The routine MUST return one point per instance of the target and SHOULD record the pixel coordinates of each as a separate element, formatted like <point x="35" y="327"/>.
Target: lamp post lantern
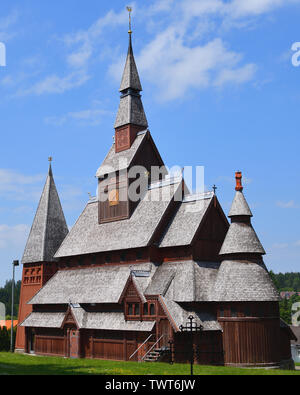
<point x="15" y="263"/>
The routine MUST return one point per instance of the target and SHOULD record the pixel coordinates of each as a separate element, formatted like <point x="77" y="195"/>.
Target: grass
<point x="17" y="364"/>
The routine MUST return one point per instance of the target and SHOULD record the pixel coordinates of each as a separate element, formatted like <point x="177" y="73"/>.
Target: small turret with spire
<point x="131" y="117"/>
<point x="49" y="227"/>
<point x="241" y="237"/>
<point x="242" y="275"/>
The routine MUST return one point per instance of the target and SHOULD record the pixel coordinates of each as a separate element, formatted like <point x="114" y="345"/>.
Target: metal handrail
<point x="140" y="346"/>
<point x="151" y="348"/>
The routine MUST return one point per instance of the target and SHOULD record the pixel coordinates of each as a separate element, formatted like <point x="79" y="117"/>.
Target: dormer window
<point x="133" y="309"/>
<point x="130" y="309"/>
<point x="152" y="309"/>
<point x="149" y="309"/>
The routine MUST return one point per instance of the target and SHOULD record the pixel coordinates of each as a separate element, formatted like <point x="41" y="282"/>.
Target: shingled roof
<point x="113" y="320"/>
<point x="131" y="108"/>
<point x="241" y="237"/>
<point x="178" y="315"/>
<point x="117" y="161"/>
<point x="88" y="236"/>
<point x="186" y="220"/>
<point x="239" y="206"/>
<point x="243" y="281"/>
<point x="184" y="281"/>
<point x="49" y="227"/>
<point x="130" y="78"/>
<point x="103" y="284"/>
<point x="247" y="278"/>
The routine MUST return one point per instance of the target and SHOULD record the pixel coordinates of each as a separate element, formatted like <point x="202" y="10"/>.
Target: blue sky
<point x="219" y="90"/>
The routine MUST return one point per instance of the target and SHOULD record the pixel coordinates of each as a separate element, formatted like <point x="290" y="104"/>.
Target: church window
<point x="130" y="309"/>
<point x="108" y="259"/>
<point x="145" y="308"/>
<point x="152" y="309"/>
<point x="221" y="312"/>
<point x="137" y="309"/>
<point x="123" y="257"/>
<point x="233" y="312"/>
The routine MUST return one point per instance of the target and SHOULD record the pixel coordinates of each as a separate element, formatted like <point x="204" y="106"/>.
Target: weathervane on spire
<point x="129" y="9"/>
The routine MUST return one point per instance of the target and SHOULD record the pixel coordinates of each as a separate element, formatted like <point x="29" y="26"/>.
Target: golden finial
<point x="129" y="9"/>
<point x="50" y="159"/>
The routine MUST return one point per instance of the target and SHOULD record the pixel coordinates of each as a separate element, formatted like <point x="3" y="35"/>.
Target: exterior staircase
<point x="156" y="354"/>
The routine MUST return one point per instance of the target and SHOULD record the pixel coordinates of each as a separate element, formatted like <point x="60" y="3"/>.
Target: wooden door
<point x="164" y="329"/>
<point x="74" y="343"/>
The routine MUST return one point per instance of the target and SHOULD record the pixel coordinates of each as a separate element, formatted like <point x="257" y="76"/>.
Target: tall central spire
<point x="131" y="117"/>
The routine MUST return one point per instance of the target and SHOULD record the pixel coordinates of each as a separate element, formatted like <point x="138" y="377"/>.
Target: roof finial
<point x="238" y="178"/>
<point x="129" y="9"/>
<point x="50" y="159"/>
<point x="214" y="188"/>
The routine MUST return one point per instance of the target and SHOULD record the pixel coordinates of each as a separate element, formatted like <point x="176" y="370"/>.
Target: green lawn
<point x="31" y="365"/>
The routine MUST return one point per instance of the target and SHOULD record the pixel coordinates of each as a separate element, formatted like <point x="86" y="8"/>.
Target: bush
<point x="5" y="339"/>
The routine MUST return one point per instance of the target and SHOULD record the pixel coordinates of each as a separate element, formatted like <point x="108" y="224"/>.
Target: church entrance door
<point x="74" y="343"/>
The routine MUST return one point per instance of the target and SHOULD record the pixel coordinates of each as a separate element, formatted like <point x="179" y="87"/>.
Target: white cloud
<point x="92" y="117"/>
<point x="238" y="75"/>
<point x="176" y="68"/>
<point x="280" y="245"/>
<point x="85" y="40"/>
<point x="13" y="236"/>
<point x="56" y="84"/>
<point x="245" y="8"/>
<point x="18" y="187"/>
<point x="7" y="30"/>
<point x="290" y="204"/>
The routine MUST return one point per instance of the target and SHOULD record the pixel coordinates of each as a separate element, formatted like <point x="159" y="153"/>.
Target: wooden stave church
<point x="129" y="274"/>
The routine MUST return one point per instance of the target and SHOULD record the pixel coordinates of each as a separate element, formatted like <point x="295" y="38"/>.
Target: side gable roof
<point x="117" y="161"/>
<point x="136" y="285"/>
<point x="103" y="284"/>
<point x="179" y="316"/>
<point x="184" y="281"/>
<point x="186" y="221"/>
<point x="107" y="320"/>
<point x="88" y="236"/>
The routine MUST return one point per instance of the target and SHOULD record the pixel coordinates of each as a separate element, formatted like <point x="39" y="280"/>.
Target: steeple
<point x="241" y="237"/>
<point x="49" y="227"/>
<point x="131" y="117"/>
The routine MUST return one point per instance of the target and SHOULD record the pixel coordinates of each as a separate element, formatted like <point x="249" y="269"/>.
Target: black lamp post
<point x="15" y="263"/>
<point x="191" y="327"/>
